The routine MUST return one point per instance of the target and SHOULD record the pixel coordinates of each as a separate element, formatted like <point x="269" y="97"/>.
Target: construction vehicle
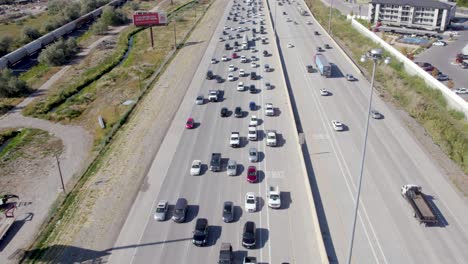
<point x="8" y="204"/>
<point x="423" y="211"/>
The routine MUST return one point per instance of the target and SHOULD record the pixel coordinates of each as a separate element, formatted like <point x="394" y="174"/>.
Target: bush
<point x="99" y="28"/>
<point x="89" y="5"/>
<point x="113" y="17"/>
<point x="30" y="34"/>
<point x="59" y="52"/>
<point x="5" y="44"/>
<point x="10" y="85"/>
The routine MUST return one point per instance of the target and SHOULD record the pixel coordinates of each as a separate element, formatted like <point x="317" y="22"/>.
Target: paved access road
<point x="286" y="234"/>
<point x="386" y="230"/>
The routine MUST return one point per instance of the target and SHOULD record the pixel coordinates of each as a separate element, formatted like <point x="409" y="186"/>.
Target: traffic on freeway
<point x="332" y="109"/>
<point x="228" y="184"/>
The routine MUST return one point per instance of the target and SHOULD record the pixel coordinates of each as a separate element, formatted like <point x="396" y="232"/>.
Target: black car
<point x="227" y="47"/>
<point x="253" y="76"/>
<point x="252" y="89"/>
<point x="200" y="234"/>
<point x="265" y="53"/>
<point x="180" y="210"/>
<point x="218" y="79"/>
<point x="238" y="35"/>
<point x="316" y="33"/>
<point x="309" y="68"/>
<point x="319" y="49"/>
<point x="209" y="75"/>
<point x="327" y="46"/>
<point x="284" y="13"/>
<point x="238" y="112"/>
<point x="224" y="112"/>
<point x="248" y="237"/>
<point x="236" y="43"/>
<point x="228" y="212"/>
<point x="254" y="30"/>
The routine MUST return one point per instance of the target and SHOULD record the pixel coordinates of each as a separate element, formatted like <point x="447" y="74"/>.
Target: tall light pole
<point x="276" y="3"/>
<point x="375" y="55"/>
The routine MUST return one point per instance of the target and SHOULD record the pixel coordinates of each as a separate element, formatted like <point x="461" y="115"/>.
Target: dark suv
<point x="248" y="237"/>
<point x="253" y="76"/>
<point x="238" y="112"/>
<point x="200" y="234"/>
<point x="228" y="212"/>
<point x="209" y="75"/>
<point x="180" y="210"/>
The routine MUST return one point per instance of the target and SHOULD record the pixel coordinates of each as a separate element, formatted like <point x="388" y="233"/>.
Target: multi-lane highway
<point x="386" y="230"/>
<point x="283" y="235"/>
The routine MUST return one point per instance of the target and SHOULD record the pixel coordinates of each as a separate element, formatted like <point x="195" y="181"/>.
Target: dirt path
<point x="109" y="193"/>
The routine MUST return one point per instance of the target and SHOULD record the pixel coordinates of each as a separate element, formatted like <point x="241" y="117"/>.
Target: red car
<point x="252" y="174"/>
<point x="190" y="123"/>
<point x="234" y="56"/>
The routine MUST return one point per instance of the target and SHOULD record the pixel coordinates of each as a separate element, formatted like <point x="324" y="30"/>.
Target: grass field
<point x="15" y="29"/>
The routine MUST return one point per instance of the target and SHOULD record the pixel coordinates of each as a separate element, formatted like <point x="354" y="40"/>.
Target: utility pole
<point x="329" y="17"/>
<point x="175" y="34"/>
<point x="60" y="173"/>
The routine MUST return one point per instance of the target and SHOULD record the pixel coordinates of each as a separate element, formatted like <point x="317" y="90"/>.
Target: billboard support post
<point x="151" y="34"/>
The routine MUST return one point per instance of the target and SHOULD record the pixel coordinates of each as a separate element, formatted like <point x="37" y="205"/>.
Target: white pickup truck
<point x="274" y="197"/>
<point x="213" y="95"/>
<point x="234" y="141"/>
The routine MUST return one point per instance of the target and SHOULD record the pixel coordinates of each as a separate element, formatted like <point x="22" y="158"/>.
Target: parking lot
<point x="443" y="57"/>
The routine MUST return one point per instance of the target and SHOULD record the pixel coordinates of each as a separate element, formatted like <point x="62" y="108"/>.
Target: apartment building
<point x="416" y="14"/>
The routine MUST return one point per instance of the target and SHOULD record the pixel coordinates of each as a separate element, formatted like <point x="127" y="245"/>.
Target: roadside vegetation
<point x="129" y="80"/>
<point x="448" y="128"/>
<point x="59" y="12"/>
<point x="108" y="86"/>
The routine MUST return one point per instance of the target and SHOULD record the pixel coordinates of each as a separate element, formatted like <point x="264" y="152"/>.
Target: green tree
<point x="30" y="34"/>
<point x="10" y="85"/>
<point x="5" y="44"/>
<point x="113" y="17"/>
<point x="59" y="53"/>
<point x="99" y="28"/>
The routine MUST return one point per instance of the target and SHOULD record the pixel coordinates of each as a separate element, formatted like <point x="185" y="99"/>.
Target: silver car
<point x="161" y="210"/>
<point x="195" y="169"/>
<point x="232" y="168"/>
<point x="253" y="155"/>
<point x="376" y="114"/>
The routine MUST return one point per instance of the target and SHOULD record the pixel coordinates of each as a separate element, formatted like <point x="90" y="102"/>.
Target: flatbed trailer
<point x="423" y="211"/>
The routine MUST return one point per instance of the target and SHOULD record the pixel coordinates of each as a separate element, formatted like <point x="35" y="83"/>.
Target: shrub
<point x="5" y="44"/>
<point x="10" y="85"/>
<point x="59" y="52"/>
<point x="99" y="28"/>
<point x="30" y="34"/>
<point x="113" y="17"/>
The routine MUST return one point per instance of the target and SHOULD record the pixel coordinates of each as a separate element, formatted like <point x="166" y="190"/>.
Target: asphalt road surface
<point x="386" y="230"/>
<point x="283" y="235"/>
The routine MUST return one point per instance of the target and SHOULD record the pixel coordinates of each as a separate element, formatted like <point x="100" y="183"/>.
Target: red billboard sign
<point x="146" y="19"/>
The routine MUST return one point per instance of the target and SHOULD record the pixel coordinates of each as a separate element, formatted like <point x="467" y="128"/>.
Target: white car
<point x="337" y="125"/>
<point x="252" y="135"/>
<point x="288" y="19"/>
<point x="240" y="86"/>
<point x="250" y="202"/>
<point x="161" y="210"/>
<point x="231" y="68"/>
<point x="271" y="138"/>
<point x="221" y="39"/>
<point x="242" y="73"/>
<point x="324" y="92"/>
<point x="214" y="61"/>
<point x="461" y="91"/>
<point x="195" y="168"/>
<point x="253" y="58"/>
<point x="231" y="77"/>
<point x="224" y="58"/>
<point x="269" y="110"/>
<point x="309" y="23"/>
<point x="253" y="65"/>
<point x="253" y="121"/>
<point x="290" y="45"/>
<point x="439" y="43"/>
<point x="243" y="59"/>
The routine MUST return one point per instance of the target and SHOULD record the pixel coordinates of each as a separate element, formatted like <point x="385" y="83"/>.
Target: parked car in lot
<point x="195" y="169"/>
<point x="209" y="75"/>
<point x="327" y="46"/>
<point x="253" y="76"/>
<point x="252" y="89"/>
<point x="268" y="86"/>
<point x="161" y="210"/>
<point x="240" y="86"/>
<point x="231" y="77"/>
<point x="224" y="58"/>
<point x="214" y="61"/>
<point x="439" y="43"/>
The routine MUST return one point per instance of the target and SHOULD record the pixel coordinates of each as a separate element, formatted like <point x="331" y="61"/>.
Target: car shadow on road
<point x="214" y="232"/>
<point x="240" y="169"/>
<point x="239" y="255"/>
<point x="285" y="200"/>
<point x="336" y="72"/>
<point x="260" y="203"/>
<point x="260" y="176"/>
<point x="280" y="141"/>
<point x="203" y="169"/>
<point x="238" y="212"/>
<point x="192" y="213"/>
<point x="262" y="235"/>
